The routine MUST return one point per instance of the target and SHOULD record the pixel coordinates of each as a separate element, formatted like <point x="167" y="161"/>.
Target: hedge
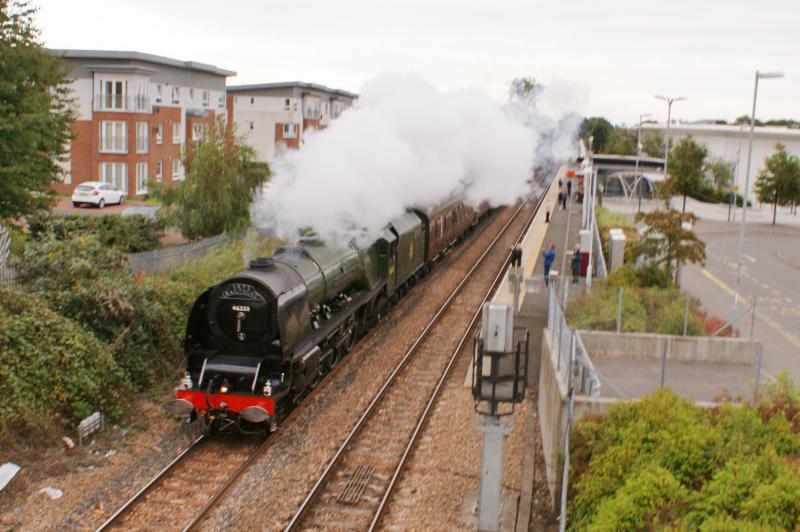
<point x="129" y="234"/>
<point x="664" y="463"/>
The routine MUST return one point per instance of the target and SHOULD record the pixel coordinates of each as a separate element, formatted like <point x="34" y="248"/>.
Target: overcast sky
<point x="610" y="56"/>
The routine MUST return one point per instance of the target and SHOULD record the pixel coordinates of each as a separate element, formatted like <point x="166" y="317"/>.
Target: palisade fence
<point x="164" y="260"/>
<point x="8" y="274"/>
<point x="599" y="258"/>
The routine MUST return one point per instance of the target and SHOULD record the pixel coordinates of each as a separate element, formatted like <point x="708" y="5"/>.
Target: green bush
<point x="609" y="220"/>
<point x="50" y="364"/>
<point x="663" y="462"/>
<point x="129" y="234"/>
<point x="598" y="311"/>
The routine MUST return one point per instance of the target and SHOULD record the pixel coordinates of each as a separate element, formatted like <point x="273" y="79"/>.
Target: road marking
<point x="750" y="258"/>
<point x="762" y="316"/>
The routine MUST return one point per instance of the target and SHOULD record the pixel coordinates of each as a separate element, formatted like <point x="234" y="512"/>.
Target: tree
<point x="779" y="182"/>
<point x="686" y="163"/>
<point x="666" y="239"/>
<point x="35" y="114"/>
<point x="653" y="144"/>
<point x="622" y="141"/>
<point x="720" y="173"/>
<point x="599" y="129"/>
<point x="221" y="178"/>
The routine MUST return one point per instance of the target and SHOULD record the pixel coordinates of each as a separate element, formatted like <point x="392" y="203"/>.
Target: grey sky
<point x="614" y="54"/>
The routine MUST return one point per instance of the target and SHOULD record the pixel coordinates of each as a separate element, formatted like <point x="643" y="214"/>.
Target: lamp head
<point x="769" y="75"/>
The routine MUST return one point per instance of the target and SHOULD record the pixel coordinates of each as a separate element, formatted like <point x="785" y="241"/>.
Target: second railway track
<point x="358" y="481"/>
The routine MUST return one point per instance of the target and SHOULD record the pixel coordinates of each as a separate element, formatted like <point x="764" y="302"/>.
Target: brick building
<point x="271" y="117"/>
<point x="134" y="114"/>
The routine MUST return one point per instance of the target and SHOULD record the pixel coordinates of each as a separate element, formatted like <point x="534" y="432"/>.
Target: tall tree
<point x="653" y="144"/>
<point x="779" y="182"/>
<point x="35" y="114"/>
<point x="686" y="163"/>
<point x="666" y="240"/>
<point x="599" y="129"/>
<point x="622" y="141"/>
<point x="221" y="178"/>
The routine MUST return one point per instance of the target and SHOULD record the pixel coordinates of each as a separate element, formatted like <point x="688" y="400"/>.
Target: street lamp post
<point x="759" y="75"/>
<point x="669" y="101"/>
<point x="637" y="179"/>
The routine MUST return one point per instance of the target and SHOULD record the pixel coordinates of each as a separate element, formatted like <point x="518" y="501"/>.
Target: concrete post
<point x="491" y="473"/>
<point x="562" y="525"/>
<point x="753" y="317"/>
<point x="664" y="361"/>
<point x="759" y="353"/>
<point x="619" y="311"/>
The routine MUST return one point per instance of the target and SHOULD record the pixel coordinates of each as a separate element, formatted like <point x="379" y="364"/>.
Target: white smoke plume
<point x="407" y="144"/>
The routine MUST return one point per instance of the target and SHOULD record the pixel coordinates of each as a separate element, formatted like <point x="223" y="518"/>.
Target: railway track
<point x="355" y="486"/>
<point x="182" y="493"/>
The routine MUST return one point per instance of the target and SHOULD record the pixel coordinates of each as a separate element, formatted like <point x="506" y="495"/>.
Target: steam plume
<point x="407" y="144"/>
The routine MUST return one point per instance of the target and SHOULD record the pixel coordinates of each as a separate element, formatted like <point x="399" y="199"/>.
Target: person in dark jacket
<point x="564" y="201"/>
<point x="549" y="258"/>
<point x="577" y="258"/>
<point x="560" y="199"/>
<point x="569" y="188"/>
<point x="516" y="256"/>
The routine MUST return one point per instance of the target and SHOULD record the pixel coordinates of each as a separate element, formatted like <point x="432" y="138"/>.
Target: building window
<point x="176" y="95"/>
<point x="191" y="95"/>
<point x="176" y="133"/>
<point x="142" y="137"/>
<point x="141" y="178"/>
<point x="113" y="137"/>
<point x="176" y="170"/>
<point x="206" y="98"/>
<point x="112" y="95"/>
<point x="252" y="125"/>
<point x="289" y="131"/>
<point x="198" y="133"/>
<point x="141" y="100"/>
<point x="159" y="92"/>
<point x="159" y="171"/>
<point x="286" y="104"/>
<point x="252" y="100"/>
<point x="221" y="101"/>
<point x="159" y="133"/>
<point x="115" y="174"/>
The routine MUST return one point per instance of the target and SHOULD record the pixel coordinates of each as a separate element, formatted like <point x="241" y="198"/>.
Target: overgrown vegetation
<point x="664" y="463"/>
<point x="128" y="234"/>
<point x="614" y="220"/>
<point x="86" y="331"/>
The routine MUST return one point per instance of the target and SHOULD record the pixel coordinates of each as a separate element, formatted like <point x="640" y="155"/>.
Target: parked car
<point x="97" y="193"/>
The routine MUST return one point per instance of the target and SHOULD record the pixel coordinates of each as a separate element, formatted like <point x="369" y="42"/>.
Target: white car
<point x="97" y="193"/>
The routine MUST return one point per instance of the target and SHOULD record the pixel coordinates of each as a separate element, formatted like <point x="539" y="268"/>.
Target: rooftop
<point x="289" y="85"/>
<point x="727" y="129"/>
<point x="143" y="57"/>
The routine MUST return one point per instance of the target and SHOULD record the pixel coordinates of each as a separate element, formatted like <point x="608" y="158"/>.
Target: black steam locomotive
<point x="257" y="342"/>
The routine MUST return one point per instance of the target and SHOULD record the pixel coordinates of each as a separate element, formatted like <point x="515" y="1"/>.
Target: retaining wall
<point x="646" y="346"/>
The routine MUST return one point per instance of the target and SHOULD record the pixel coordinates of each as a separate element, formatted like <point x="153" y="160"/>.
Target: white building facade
<point x="730" y="143"/>
<point x="273" y="117"/>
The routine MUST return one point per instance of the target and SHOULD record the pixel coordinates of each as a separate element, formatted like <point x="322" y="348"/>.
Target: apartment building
<point x="135" y="113"/>
<point x="272" y="117"/>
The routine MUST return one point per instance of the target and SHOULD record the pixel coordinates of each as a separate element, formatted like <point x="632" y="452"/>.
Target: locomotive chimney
<point x="263" y="263"/>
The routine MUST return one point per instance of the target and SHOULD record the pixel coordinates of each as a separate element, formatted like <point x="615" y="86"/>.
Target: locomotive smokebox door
<point x="500" y="367"/>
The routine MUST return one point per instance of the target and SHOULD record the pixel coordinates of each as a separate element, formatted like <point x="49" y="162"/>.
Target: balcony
<point x="121" y="103"/>
<point x="112" y="144"/>
<point x="312" y="114"/>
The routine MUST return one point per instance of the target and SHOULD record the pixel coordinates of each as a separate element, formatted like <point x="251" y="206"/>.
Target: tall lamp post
<point x="669" y="101"/>
<point x="637" y="180"/>
<point x="759" y="75"/>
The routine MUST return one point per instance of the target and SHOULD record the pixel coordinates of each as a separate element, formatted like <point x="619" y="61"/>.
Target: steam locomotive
<point x="258" y="342"/>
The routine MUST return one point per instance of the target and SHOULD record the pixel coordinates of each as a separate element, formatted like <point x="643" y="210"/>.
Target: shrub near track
<point x="129" y="234"/>
<point x="50" y="364"/>
<point x="664" y="463"/>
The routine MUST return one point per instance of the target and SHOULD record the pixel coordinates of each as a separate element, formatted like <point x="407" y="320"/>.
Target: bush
<point x="663" y="462"/>
<point x="87" y="281"/>
<point x="50" y="364"/>
<point x="609" y="220"/>
<point x="129" y="234"/>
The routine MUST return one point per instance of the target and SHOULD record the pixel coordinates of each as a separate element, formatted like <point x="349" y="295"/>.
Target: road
<point x="771" y="272"/>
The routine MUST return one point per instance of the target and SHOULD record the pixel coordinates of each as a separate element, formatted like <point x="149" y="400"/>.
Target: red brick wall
<point x="290" y="143"/>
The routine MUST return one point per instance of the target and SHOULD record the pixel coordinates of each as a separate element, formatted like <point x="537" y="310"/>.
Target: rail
<point x="324" y="477"/>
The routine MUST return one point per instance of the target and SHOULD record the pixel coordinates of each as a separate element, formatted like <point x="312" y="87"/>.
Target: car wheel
<point x="101" y="204"/>
<point x="122" y="199"/>
<point x="76" y="204"/>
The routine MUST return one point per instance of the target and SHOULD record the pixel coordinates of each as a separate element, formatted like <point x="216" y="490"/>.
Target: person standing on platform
<point x="560" y="199"/>
<point x="569" y="188"/>
<point x="577" y="259"/>
<point x="564" y="201"/>
<point x="516" y="256"/>
<point x="549" y="258"/>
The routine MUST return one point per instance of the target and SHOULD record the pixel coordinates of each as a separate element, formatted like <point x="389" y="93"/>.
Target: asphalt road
<point x="770" y="272"/>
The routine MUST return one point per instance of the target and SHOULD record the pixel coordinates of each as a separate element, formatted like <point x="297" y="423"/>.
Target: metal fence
<point x="597" y="246"/>
<point x="164" y="260"/>
<point x="572" y="359"/>
<point x="8" y="274"/>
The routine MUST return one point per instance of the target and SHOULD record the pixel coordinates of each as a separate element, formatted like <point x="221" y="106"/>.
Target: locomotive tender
<point x="256" y="343"/>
